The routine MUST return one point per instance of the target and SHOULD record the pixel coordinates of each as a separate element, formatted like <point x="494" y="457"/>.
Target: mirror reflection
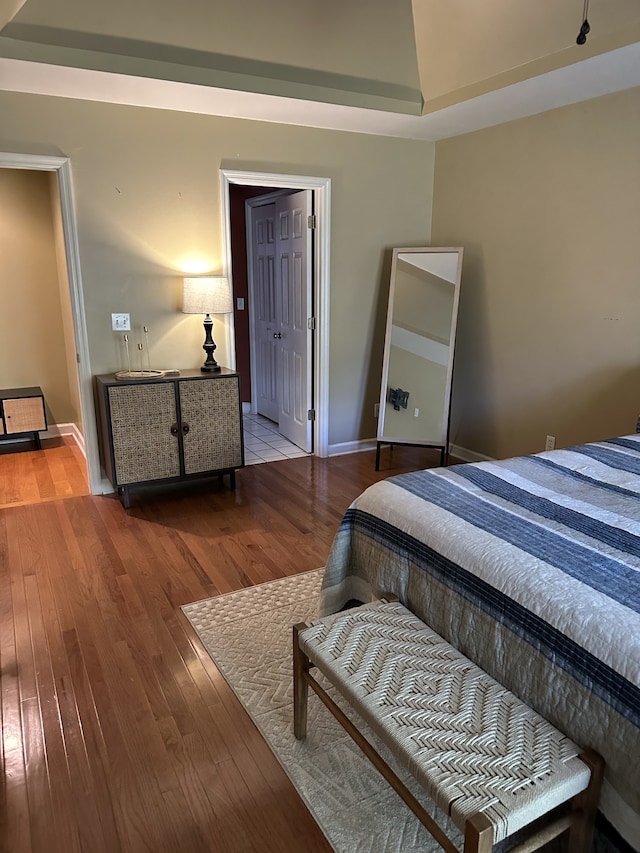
<point x="419" y="344"/>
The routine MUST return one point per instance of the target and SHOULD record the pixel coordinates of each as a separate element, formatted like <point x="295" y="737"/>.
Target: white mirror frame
<point x="442" y="440"/>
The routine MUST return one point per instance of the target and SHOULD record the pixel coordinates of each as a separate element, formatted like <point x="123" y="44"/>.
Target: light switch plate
<point x="121" y="322"/>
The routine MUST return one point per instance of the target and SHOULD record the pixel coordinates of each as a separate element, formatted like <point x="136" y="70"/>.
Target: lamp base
<point x="210" y="364"/>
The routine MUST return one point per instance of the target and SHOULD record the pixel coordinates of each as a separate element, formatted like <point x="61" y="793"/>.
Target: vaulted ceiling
<point x="418" y="68"/>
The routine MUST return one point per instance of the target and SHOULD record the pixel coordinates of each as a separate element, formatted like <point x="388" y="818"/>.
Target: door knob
<point x="277" y="335"/>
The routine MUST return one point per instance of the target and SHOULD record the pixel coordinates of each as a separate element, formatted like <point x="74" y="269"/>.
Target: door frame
<point x="321" y="188"/>
<point x="62" y="167"/>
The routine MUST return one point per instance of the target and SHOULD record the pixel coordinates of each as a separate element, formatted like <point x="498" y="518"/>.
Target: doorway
<point x="76" y="336"/>
<point x="319" y="268"/>
<point x="281" y="323"/>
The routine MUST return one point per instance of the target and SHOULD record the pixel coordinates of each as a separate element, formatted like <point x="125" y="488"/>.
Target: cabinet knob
<point x="175" y="429"/>
<point x="277" y="335"/>
<point x="185" y="428"/>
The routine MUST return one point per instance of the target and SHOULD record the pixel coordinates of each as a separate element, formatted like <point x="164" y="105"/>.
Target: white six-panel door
<point x="294" y="335"/>
<point x="266" y="311"/>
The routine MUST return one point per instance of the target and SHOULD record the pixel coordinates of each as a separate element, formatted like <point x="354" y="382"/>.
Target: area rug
<point x="248" y="636"/>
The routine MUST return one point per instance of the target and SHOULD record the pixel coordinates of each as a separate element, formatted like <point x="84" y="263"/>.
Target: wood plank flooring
<point x="58" y="470"/>
<point x="118" y="732"/>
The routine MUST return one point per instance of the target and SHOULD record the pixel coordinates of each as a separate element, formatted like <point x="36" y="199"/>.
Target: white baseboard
<point x="351" y="447"/>
<point x="104" y="487"/>
<point x="370" y="444"/>
<point x="56" y="430"/>
<point x="468" y="455"/>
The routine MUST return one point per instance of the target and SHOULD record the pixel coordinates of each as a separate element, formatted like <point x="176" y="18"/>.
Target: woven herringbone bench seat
<point x="483" y="756"/>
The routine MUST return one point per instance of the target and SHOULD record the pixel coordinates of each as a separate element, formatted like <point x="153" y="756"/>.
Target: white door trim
<point x="322" y="192"/>
<point x="62" y="166"/>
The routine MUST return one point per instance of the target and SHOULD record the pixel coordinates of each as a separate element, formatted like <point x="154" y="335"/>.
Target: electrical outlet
<point x="550" y="443"/>
<point x="376" y="410"/>
<point x="121" y="322"/>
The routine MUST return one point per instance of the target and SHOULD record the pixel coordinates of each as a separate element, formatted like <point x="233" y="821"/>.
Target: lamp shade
<point x="206" y="295"/>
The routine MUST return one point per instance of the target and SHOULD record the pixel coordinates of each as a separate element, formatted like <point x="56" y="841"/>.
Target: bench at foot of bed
<point x="485" y="758"/>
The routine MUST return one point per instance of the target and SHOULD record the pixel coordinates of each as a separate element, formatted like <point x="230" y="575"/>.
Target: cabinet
<point x="169" y="429"/>
<point x="22" y="412"/>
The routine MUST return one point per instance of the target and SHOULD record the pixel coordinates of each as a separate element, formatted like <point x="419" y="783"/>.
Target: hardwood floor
<point x="118" y="732"/>
<point x="57" y="471"/>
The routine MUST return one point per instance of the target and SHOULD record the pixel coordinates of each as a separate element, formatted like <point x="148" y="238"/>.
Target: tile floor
<point x="263" y="442"/>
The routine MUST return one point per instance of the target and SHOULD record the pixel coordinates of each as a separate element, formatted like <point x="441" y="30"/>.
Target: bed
<point x="531" y="567"/>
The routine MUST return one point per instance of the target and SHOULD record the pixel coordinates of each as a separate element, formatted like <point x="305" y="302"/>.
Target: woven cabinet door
<point x="141" y="419"/>
<point x="211" y="408"/>
<point x="24" y="414"/>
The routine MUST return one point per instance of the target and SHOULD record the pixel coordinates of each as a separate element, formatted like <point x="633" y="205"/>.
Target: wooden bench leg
<point x="585" y="805"/>
<point x="478" y="835"/>
<point x="301" y="665"/>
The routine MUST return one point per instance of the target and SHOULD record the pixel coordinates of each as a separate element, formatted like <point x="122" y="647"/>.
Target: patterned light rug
<point x="248" y="635"/>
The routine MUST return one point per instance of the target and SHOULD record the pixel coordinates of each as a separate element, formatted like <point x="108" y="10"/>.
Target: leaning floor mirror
<point x="417" y="367"/>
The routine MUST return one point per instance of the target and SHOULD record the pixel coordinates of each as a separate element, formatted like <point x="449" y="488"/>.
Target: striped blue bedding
<point x="531" y="567"/>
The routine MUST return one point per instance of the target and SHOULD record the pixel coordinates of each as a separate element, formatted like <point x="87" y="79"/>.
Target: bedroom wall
<point x="32" y="332"/>
<point x="466" y="49"/>
<point x="147" y="197"/>
<point x="548" y="211"/>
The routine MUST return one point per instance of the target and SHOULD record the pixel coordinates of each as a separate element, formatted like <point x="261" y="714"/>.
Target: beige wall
<point x="32" y="333"/>
<point x="147" y="197"/>
<point x="548" y="210"/>
<point x="332" y="36"/>
<point x="465" y="49"/>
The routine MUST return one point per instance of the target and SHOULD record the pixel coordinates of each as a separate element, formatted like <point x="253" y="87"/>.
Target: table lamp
<point x="207" y="295"/>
